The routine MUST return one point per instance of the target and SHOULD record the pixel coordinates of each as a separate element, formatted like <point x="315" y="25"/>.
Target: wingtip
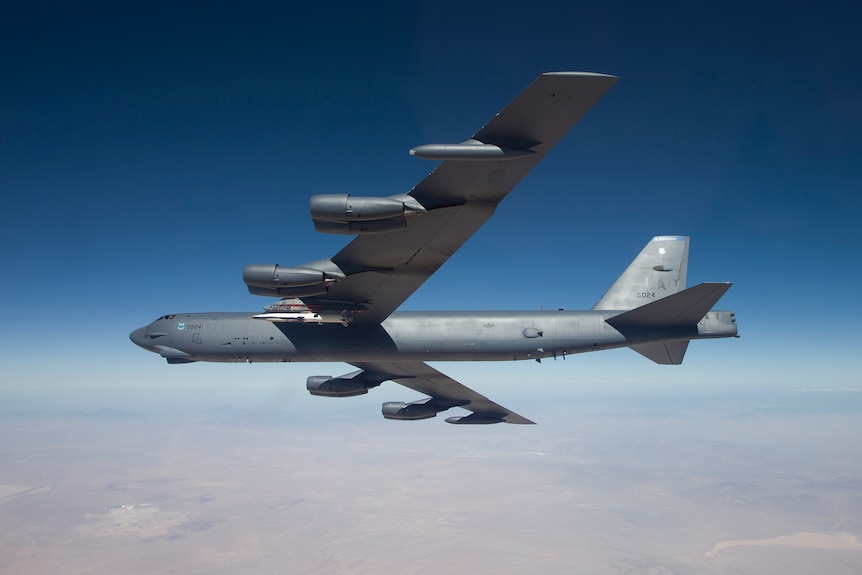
<point x="518" y="419"/>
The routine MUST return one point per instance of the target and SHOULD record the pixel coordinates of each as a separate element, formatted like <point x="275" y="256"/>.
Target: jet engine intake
<point x="346" y="214"/>
<point x="475" y="419"/>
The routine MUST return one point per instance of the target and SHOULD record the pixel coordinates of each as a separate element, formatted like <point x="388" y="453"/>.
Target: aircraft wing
<point x="382" y="270"/>
<point x="443" y="390"/>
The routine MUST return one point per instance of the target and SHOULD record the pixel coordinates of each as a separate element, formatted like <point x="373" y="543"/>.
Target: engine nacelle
<point x="355" y="383"/>
<point x="328" y="386"/>
<point x="300" y="281"/>
<point x="346" y="214"/>
<point x="409" y="411"/>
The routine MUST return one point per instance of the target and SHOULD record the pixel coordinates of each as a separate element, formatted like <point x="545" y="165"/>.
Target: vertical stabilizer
<point x="657" y="272"/>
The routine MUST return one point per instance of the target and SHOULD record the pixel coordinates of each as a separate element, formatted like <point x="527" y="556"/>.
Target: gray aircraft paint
<point x="343" y="309"/>
<point x="409" y="336"/>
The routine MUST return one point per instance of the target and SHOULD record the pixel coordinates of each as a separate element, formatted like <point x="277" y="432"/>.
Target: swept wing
<point x="444" y="391"/>
<point x="382" y="270"/>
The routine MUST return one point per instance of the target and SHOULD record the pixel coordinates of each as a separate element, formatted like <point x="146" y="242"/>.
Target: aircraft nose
<point x="139" y="337"/>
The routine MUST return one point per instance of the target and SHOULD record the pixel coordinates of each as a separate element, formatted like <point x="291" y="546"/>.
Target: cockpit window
<point x="171" y="316"/>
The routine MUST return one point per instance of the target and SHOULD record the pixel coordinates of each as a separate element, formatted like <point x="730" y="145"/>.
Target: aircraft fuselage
<point x="406" y="336"/>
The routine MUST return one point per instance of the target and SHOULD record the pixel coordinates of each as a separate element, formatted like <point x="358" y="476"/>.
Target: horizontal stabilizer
<point x="663" y="352"/>
<point x="687" y="307"/>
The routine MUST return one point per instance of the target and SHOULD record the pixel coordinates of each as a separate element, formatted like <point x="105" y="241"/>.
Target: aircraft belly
<point x="470" y="336"/>
<point x="435" y="337"/>
<point x="406" y="336"/>
<point x="447" y="336"/>
<point x="579" y="332"/>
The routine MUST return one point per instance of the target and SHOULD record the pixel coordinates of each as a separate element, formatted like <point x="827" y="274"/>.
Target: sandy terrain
<point x="616" y="487"/>
<point x="836" y="541"/>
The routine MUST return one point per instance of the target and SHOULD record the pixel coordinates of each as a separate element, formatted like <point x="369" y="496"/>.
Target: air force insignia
<point x="181" y="326"/>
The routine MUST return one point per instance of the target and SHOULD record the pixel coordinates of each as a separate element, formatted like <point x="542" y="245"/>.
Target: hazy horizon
<point x="737" y="482"/>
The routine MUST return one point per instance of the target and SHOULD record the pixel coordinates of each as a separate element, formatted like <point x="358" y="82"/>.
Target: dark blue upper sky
<point x="148" y="151"/>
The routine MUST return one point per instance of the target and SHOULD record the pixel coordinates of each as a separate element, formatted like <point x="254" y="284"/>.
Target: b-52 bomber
<point x="343" y="309"/>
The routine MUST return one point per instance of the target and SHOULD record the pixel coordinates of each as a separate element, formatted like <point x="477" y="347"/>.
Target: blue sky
<point x="149" y="151"/>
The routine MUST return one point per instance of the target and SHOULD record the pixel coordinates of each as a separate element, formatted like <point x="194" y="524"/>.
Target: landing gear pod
<point x="471" y="150"/>
<point x="475" y="419"/>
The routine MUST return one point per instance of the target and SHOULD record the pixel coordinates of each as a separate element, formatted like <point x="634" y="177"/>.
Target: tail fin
<point x="659" y="315"/>
<point x="657" y="272"/>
